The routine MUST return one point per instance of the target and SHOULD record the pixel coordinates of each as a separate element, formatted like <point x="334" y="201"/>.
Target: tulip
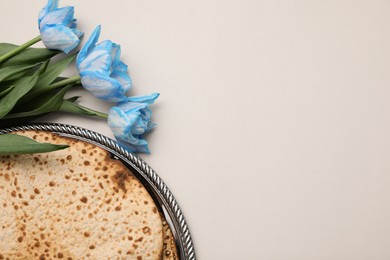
<point x="101" y="70"/>
<point x="129" y="120"/>
<point x="57" y="30"/>
<point x="57" y="27"/>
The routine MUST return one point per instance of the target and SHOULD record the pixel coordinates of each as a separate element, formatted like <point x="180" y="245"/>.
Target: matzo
<point x="76" y="203"/>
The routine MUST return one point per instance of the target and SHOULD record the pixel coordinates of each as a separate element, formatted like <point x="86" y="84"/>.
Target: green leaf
<point x="6" y="90"/>
<point x="27" y="56"/>
<point x="6" y="47"/>
<point x="10" y="80"/>
<point x="69" y="106"/>
<point x="46" y="104"/>
<point x="54" y="70"/>
<point x="19" y="48"/>
<point x="21" y="87"/>
<point x="17" y="144"/>
<point x="7" y="72"/>
<point x="4" y="123"/>
<point x="73" y="99"/>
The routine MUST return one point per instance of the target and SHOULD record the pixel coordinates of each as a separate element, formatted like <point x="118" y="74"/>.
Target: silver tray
<point x="156" y="187"/>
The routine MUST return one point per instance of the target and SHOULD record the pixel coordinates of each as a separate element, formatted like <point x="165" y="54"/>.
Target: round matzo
<point x="76" y="203"/>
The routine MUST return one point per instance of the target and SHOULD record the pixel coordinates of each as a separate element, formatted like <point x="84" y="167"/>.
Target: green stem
<point x="64" y="82"/>
<point x="101" y="115"/>
<point x="96" y="113"/>
<point x="19" y="49"/>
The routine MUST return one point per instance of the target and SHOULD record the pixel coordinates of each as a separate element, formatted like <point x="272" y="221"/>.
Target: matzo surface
<point x="76" y="203"/>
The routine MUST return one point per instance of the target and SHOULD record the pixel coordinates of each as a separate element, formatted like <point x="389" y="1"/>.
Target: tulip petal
<point x="123" y="78"/>
<point x="99" y="59"/>
<point x="102" y="61"/>
<point x="77" y="33"/>
<point x="102" y="86"/>
<point x="142" y="148"/>
<point x="130" y="120"/>
<point x="143" y="125"/>
<point x="131" y="107"/>
<point x="58" y="27"/>
<point x="62" y="16"/>
<point x="73" y="24"/>
<point x="139" y="127"/>
<point x="150" y="126"/>
<point x="118" y="122"/>
<point x="51" y="5"/>
<point x="147" y="112"/>
<point x="88" y="46"/>
<point x="121" y="123"/>
<point x="120" y="66"/>
<point x="144" y="99"/>
<point x="115" y="54"/>
<point x="59" y="37"/>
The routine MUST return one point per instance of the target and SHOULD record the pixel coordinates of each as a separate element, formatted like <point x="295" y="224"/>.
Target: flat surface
<point x="273" y="122"/>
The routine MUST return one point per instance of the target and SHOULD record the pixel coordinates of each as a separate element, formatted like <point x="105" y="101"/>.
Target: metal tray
<point x="153" y="183"/>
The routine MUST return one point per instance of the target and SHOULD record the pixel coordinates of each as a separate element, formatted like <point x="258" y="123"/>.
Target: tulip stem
<point x="19" y="49"/>
<point x="94" y="112"/>
<point x="100" y="114"/>
<point x="64" y="82"/>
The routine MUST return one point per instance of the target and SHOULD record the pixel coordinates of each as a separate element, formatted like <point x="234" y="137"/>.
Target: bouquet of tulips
<point x="31" y="84"/>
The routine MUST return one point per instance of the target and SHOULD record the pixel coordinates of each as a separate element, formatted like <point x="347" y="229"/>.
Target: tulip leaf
<point x="6" y="90"/>
<point x="11" y="144"/>
<point x="53" y="71"/>
<point x="46" y="104"/>
<point x="11" y="79"/>
<point x="4" y="123"/>
<point x="21" y="87"/>
<point x="6" y="47"/>
<point x="71" y="107"/>
<point x="73" y="99"/>
<point x="7" y="72"/>
<point x="27" y="56"/>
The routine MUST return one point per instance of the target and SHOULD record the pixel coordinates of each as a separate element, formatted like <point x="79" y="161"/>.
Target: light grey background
<point x="273" y="122"/>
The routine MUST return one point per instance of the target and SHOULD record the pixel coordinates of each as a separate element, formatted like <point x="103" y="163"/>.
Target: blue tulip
<point x="101" y="70"/>
<point x="130" y="119"/>
<point x="57" y="27"/>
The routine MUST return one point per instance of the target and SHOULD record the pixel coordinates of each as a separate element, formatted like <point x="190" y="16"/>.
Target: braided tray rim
<point x="183" y="236"/>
